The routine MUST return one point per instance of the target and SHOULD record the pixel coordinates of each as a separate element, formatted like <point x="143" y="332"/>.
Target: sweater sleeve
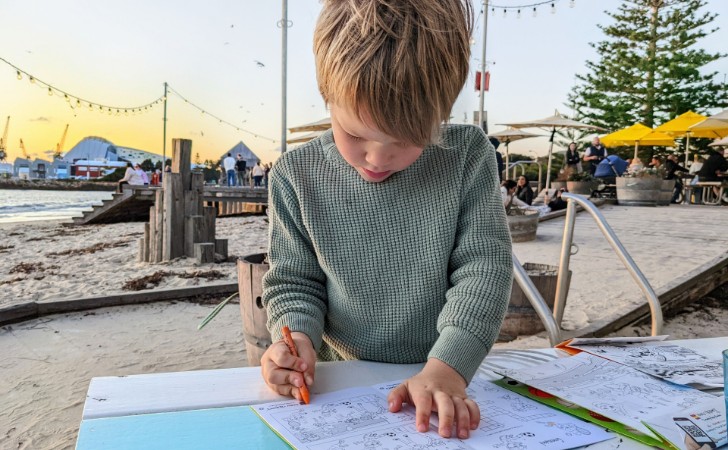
<point x="481" y="266"/>
<point x="294" y="288"/>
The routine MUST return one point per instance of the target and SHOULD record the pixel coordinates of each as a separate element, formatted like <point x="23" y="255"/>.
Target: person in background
<point x="714" y="168"/>
<point x="240" y="168"/>
<point x="655" y="163"/>
<point x="524" y="191"/>
<point x="572" y="159"/>
<point x="266" y="168"/>
<point x="142" y="174"/>
<point x="557" y="203"/>
<point x="228" y="165"/>
<point x="258" y="174"/>
<point x="156" y="177"/>
<point x="696" y="165"/>
<point x="131" y="177"/>
<point x="498" y="157"/>
<point x="672" y="167"/>
<point x="594" y="155"/>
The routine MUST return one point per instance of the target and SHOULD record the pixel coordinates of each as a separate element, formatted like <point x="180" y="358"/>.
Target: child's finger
<point x="423" y="407"/>
<point x="396" y="397"/>
<point x="282" y="357"/>
<point x="445" y="413"/>
<point x="474" y="413"/>
<point x="462" y="417"/>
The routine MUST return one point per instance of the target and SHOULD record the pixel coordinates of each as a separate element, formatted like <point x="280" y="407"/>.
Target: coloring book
<point x="359" y="418"/>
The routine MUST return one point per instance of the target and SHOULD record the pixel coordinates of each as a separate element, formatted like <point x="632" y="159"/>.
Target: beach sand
<point x="47" y="363"/>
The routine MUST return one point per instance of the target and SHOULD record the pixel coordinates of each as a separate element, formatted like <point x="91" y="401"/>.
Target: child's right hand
<point x="283" y="372"/>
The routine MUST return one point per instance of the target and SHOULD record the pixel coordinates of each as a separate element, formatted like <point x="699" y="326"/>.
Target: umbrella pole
<point x="548" y="166"/>
<point x="507" y="163"/>
<point x="687" y="148"/>
<point x="636" y="147"/>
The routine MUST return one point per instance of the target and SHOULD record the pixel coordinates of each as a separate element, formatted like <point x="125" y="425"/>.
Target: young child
<point x="388" y="237"/>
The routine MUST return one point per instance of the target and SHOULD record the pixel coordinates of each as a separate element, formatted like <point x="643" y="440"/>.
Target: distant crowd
<point x="235" y="172"/>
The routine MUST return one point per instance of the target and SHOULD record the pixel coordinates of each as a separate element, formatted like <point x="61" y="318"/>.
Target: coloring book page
<point x="613" y="390"/>
<point x="667" y="361"/>
<point x="359" y="418"/>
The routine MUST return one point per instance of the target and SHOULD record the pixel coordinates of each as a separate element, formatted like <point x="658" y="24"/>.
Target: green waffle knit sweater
<point x="416" y="266"/>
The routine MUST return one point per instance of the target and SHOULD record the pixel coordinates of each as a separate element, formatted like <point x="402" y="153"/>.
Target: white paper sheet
<point x="667" y="361"/>
<point x="613" y="390"/>
<point x="358" y="418"/>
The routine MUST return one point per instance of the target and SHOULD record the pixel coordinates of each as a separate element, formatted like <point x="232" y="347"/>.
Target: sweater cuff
<point x="460" y="350"/>
<point x="300" y="323"/>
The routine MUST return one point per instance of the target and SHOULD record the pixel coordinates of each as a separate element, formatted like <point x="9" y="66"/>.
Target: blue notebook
<point x="224" y="428"/>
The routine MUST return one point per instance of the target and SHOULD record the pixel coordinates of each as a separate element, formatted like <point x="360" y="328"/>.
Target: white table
<point x="113" y="397"/>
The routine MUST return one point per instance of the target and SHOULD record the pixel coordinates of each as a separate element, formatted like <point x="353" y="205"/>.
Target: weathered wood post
<point x="250" y="275"/>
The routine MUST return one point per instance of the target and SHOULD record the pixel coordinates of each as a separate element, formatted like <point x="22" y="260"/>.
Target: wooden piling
<point x="181" y="160"/>
<point x="210" y="215"/>
<point x="194" y="227"/>
<point x="140" y="253"/>
<point x="205" y="252"/>
<point x="158" y="235"/>
<point x="221" y="248"/>
<point x="145" y="243"/>
<point x="173" y="230"/>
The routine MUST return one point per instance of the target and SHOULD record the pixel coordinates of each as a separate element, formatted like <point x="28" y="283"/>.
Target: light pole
<point x="481" y="108"/>
<point x="284" y="69"/>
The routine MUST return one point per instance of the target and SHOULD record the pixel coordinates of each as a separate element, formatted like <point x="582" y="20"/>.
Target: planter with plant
<point x="522" y="223"/>
<point x="581" y="183"/>
<point x="644" y="187"/>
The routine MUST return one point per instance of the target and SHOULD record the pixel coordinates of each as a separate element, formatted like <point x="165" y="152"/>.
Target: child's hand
<point x="438" y="388"/>
<point x="283" y="372"/>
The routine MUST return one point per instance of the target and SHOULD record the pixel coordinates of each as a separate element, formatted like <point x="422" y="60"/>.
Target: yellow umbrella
<point x="637" y="135"/>
<point x="680" y="127"/>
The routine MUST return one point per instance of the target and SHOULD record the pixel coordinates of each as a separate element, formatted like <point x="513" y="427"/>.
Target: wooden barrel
<point x="523" y="227"/>
<point x="521" y="319"/>
<point x="251" y="269"/>
<point x="639" y="191"/>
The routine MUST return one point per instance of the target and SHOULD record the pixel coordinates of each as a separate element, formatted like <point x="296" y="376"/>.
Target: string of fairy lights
<point x="77" y="102"/>
<point x="533" y="7"/>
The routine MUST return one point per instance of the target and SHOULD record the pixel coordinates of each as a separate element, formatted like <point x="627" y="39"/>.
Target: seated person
<point x="558" y="203"/>
<point x="510" y="200"/>
<point x="524" y="191"/>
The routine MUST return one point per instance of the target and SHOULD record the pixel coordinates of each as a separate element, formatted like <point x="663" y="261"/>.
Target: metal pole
<point x="562" y="280"/>
<point x="687" y="148"/>
<point x="481" y="108"/>
<point x="284" y="65"/>
<point x="164" y="131"/>
<point x="652" y="300"/>
<point x="548" y="165"/>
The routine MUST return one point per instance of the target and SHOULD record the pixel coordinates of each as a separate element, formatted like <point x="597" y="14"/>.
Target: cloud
<point x="40" y="119"/>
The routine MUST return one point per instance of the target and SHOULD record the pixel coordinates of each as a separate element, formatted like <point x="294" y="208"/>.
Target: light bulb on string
<point x="109" y="112"/>
<point x="572" y="3"/>
<point x="78" y="103"/>
<point x="50" y="92"/>
<point x="492" y="12"/>
<point x="90" y="107"/>
<point x="20" y="77"/>
<point x="553" y="8"/>
<point x="505" y="12"/>
<point x="534" y="12"/>
<point x="518" y="15"/>
<point x="68" y="99"/>
<point x="126" y="113"/>
<point x="32" y="80"/>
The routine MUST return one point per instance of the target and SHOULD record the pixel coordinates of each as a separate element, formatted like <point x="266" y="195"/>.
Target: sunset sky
<point x="121" y="53"/>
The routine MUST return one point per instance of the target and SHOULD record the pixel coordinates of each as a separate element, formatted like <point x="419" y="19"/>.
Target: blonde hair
<point x="400" y="63"/>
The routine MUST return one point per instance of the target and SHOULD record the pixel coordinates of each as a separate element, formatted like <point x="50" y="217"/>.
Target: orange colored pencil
<point x="288" y="339"/>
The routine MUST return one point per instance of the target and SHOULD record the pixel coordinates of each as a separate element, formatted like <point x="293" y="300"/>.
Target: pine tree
<point x="650" y="68"/>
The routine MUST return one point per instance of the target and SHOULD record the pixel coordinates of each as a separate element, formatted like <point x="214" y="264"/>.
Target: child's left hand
<point x="438" y="388"/>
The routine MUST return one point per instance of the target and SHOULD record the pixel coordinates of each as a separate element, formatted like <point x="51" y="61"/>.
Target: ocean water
<point x="19" y="205"/>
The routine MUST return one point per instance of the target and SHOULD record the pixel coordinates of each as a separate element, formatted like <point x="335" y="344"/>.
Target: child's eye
<point x="353" y="138"/>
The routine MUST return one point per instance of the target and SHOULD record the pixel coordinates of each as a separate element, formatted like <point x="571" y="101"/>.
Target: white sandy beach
<point x="48" y="362"/>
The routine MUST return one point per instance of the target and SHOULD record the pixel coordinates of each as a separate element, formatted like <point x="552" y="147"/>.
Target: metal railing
<point x="611" y="237"/>
<point x="552" y="322"/>
<point x="522" y="165"/>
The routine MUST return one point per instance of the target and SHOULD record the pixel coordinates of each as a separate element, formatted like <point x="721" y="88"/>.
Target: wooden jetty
<point x="132" y="205"/>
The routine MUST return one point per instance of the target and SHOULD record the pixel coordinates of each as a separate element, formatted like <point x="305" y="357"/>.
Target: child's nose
<point x="378" y="157"/>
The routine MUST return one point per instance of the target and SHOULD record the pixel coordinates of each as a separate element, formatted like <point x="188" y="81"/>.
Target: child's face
<point x="375" y="155"/>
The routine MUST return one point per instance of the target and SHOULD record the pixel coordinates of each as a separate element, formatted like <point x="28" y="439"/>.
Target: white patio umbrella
<point x="509" y="135"/>
<point x="717" y="124"/>
<point x="304" y="137"/>
<point x="719" y="143"/>
<point x="320" y="125"/>
<point x="552" y="124"/>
